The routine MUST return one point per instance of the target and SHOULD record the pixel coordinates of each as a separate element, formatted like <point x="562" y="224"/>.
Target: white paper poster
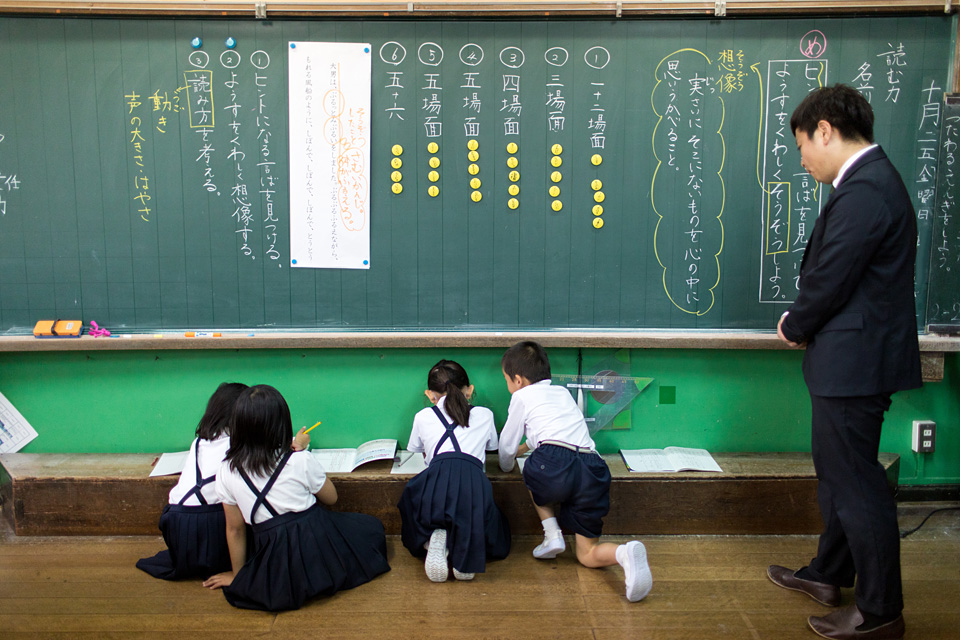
<point x="15" y="431"/>
<point x="329" y="101"/>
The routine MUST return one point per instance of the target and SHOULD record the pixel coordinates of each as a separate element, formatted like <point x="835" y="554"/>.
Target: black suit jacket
<point x="855" y="308"/>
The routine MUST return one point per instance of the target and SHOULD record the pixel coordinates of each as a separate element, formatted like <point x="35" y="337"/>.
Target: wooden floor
<point x="704" y="587"/>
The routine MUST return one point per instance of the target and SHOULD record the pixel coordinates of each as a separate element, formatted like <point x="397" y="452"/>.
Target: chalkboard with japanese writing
<point x="943" y="300"/>
<point x="163" y="174"/>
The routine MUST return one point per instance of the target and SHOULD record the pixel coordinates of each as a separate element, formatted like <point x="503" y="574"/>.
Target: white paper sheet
<point x="170" y="463"/>
<point x="15" y="431"/>
<point x="329" y="110"/>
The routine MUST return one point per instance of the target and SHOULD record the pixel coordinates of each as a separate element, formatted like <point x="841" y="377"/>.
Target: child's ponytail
<point x="450" y="378"/>
<point x="457" y="405"/>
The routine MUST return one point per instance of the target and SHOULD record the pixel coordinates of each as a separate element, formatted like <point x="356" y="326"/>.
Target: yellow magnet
<point x="433" y="176"/>
<point x="554" y="191"/>
<point x="512" y="147"/>
<point x="596" y="159"/>
<point x="396" y="176"/>
<point x="473" y="145"/>
<point x="556" y="176"/>
<point x="433" y="147"/>
<point x="513" y="189"/>
<point x="397" y="150"/>
<point x="512" y="162"/>
<point x="596" y="185"/>
<point x="556" y="161"/>
<point x="598" y="196"/>
<point x="597" y="210"/>
<point x="473" y="169"/>
<point x="514" y="175"/>
<point x="597" y="223"/>
<point x="475" y="183"/>
<point x="513" y="203"/>
<point x="556" y="149"/>
<point x="473" y="156"/>
<point x="556" y="205"/>
<point x="397" y="187"/>
<point x="434" y="162"/>
<point x="396" y="163"/>
<point x="433" y="191"/>
<point x="476" y="196"/>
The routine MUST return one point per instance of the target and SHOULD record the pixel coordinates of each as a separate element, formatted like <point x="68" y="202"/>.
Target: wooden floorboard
<point x="705" y="588"/>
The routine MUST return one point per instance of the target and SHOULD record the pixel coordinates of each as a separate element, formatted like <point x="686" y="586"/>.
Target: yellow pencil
<point x="313" y="427"/>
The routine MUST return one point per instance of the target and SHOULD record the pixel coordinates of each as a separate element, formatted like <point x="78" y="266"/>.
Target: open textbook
<point x="346" y="460"/>
<point x="670" y="459"/>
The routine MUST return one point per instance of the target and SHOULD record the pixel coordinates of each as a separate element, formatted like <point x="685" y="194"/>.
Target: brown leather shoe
<point x="842" y="625"/>
<point x="825" y="594"/>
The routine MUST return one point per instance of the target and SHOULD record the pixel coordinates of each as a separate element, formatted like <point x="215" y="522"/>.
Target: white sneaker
<point x="462" y="576"/>
<point x="550" y="547"/>
<point x="633" y="558"/>
<point x="436" y="563"/>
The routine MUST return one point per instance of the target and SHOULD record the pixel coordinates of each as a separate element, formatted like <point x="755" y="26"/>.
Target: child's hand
<point x="301" y="441"/>
<point x="522" y="449"/>
<point x="219" y="580"/>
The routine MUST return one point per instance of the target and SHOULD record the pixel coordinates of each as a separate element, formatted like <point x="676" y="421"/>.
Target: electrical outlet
<point x="924" y="435"/>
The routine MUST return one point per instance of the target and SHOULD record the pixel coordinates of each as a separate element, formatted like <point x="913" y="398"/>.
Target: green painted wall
<point x="150" y="401"/>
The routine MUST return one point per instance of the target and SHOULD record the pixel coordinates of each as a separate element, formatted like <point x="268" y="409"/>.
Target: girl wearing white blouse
<point x="299" y="549"/>
<point x="448" y="509"/>
<point x="192" y="523"/>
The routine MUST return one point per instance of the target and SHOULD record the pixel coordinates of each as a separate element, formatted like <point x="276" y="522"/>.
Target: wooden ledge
<point x="414" y="339"/>
<point x="111" y="494"/>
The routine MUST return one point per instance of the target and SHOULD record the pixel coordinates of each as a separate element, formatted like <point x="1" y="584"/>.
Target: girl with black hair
<point x="192" y="523"/>
<point x="298" y="549"/>
<point x="448" y="509"/>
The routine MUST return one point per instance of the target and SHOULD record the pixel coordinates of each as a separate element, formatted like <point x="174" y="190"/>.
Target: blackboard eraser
<point x="58" y="329"/>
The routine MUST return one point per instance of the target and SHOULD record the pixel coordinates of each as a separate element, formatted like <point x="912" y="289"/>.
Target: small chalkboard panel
<point x="943" y="300"/>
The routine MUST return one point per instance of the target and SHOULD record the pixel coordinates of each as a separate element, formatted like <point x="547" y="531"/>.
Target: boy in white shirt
<point x="568" y="480"/>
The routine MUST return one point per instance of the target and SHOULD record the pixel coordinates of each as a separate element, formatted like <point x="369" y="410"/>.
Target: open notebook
<point x="670" y="459"/>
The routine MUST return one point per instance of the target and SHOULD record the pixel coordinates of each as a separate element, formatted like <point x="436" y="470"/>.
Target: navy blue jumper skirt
<point x="196" y="537"/>
<point x="454" y="493"/>
<point x="303" y="554"/>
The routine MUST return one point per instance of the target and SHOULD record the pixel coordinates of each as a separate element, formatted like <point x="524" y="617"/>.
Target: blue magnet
<point x="293" y="45"/>
<point x="231" y="43"/>
<point x="196" y="43"/>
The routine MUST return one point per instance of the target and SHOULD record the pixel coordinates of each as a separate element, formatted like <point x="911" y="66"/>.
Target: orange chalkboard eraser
<point x="58" y="329"/>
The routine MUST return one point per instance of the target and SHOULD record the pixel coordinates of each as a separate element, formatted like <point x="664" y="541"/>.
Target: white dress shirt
<point x="542" y="411"/>
<point x="477" y="439"/>
<point x="212" y="453"/>
<point x="294" y="490"/>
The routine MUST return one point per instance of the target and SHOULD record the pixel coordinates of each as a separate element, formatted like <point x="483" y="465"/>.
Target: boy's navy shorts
<point x="577" y="484"/>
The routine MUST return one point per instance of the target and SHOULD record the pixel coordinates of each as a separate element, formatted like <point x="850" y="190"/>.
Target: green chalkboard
<point x="657" y="182"/>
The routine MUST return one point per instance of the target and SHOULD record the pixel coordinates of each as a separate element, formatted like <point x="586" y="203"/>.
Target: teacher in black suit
<point x="855" y="313"/>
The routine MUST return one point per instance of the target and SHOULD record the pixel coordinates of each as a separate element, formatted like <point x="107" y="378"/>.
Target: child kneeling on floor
<point x="448" y="508"/>
<point x="568" y="480"/>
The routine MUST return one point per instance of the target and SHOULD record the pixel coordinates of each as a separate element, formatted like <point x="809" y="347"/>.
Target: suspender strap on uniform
<point x="449" y="433"/>
<point x="262" y="495"/>
<point x="201" y="482"/>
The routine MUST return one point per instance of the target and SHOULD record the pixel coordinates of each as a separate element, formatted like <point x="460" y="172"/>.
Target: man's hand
<point x="780" y="331"/>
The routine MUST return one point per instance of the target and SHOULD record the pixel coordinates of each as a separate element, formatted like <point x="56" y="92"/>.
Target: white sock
<point x="551" y="528"/>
